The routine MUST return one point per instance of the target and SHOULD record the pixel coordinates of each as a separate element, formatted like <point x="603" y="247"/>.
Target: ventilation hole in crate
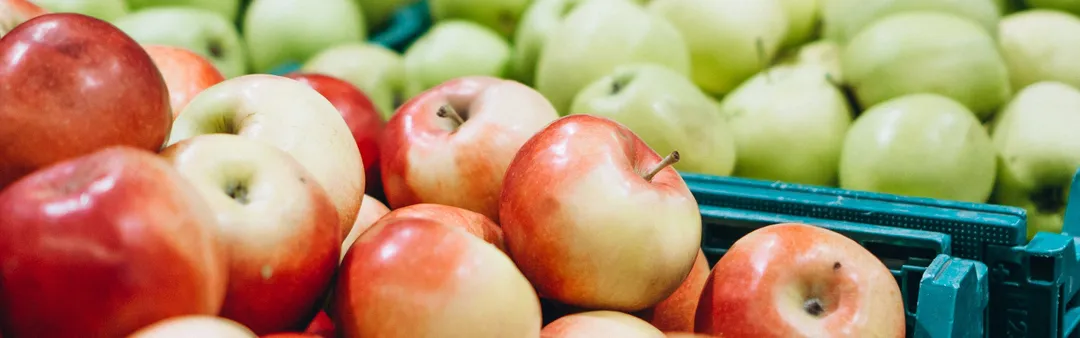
<point x="895" y="256"/>
<point x="721" y="235"/>
<point x="1041" y="268"/>
<point x="911" y="291"/>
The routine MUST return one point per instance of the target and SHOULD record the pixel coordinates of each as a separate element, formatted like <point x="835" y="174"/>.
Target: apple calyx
<point x="447" y="111"/>
<point x="620" y="81"/>
<point x="668" y="160"/>
<point x="238" y="191"/>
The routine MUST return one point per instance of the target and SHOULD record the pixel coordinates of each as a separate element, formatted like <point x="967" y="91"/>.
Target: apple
<point x="686" y="335"/>
<point x="378" y="72"/>
<point x="379" y="13"/>
<point x="82" y="85"/>
<point x="453" y="49"/>
<point x="279" y="226"/>
<point x="818" y="283"/>
<point x="596" y="37"/>
<point x="292" y="335"/>
<point x="205" y="33"/>
<point x="789" y="123"/>
<point x="364" y="121"/>
<point x="600" y="323"/>
<point x="415" y="277"/>
<point x="321" y="325"/>
<point x="186" y="73"/>
<point x="596" y="219"/>
<point x="226" y="8"/>
<point x="803" y="16"/>
<point x="1038" y="45"/>
<point x="729" y="40"/>
<point x="15" y="12"/>
<point x="1038" y="153"/>
<point x="1070" y="6"/>
<point x="452" y="144"/>
<point x="371" y="210"/>
<point x="194" y="326"/>
<point x="290" y="116"/>
<point x="288" y="31"/>
<point x="501" y="16"/>
<point x="536" y="23"/>
<point x="476" y="224"/>
<point x="924" y="145"/>
<point x="104" y="244"/>
<point x="107" y="10"/>
<point x="842" y="20"/>
<point x="823" y="53"/>
<point x="666" y="110"/>
<point x="676" y="312"/>
<point x="927" y="52"/>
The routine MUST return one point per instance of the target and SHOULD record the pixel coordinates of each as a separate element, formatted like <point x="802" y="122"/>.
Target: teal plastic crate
<point x="965" y="269"/>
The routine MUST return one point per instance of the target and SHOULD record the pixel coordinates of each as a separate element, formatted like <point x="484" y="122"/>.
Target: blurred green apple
<point x="379" y="12"/>
<point x="201" y="31"/>
<point x="823" y="53"/>
<point x="378" y="72"/>
<point x="789" y="123"/>
<point x="501" y="16"/>
<point x="279" y="32"/>
<point x="1071" y="6"/>
<point x="1039" y="151"/>
<point x="227" y="8"/>
<point x="596" y="37"/>
<point x="1041" y="45"/>
<point x="843" y="19"/>
<point x="667" y="111"/>
<point x="932" y="52"/>
<point x="803" y="18"/>
<point x="923" y="145"/>
<point x="107" y="10"/>
<point x="452" y="49"/>
<point x="729" y="40"/>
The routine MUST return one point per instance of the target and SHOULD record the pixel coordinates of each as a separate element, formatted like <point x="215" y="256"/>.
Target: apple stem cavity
<point x="237" y="191"/>
<point x="446" y="111"/>
<point x="668" y="160"/>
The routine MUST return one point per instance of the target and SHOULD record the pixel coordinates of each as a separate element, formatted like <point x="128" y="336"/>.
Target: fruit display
<point x="510" y="168"/>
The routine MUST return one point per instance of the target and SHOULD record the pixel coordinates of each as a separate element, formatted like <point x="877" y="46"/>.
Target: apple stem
<point x="668" y="160"/>
<point x="446" y="111"/>
<point x="829" y="78"/>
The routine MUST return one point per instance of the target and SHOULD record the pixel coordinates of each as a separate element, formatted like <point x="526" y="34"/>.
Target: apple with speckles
<point x="413" y="277"/>
<point x="452" y="144"/>
<point x="186" y="73"/>
<point x="634" y="243"/>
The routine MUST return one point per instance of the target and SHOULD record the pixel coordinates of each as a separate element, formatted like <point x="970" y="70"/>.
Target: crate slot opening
<point x="896" y="256"/>
<point x="1041" y="268"/>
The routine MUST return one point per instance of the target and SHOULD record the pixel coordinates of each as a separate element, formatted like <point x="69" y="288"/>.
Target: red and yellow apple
<point x="596" y="219"/>
<point x="186" y="73"/>
<point x="371" y="210"/>
<point x="676" y="313"/>
<point x="798" y="280"/>
<point x="602" y="323"/>
<point x="15" y="12"/>
<point x="104" y="244"/>
<point x="452" y="144"/>
<point x="278" y="224"/>
<point x="194" y="326"/>
<point x="473" y="222"/>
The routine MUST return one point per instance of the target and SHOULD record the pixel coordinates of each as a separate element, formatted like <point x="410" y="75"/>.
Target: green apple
<point x="452" y="49"/>
<point x="107" y="10"/>
<point x="1039" y="151"/>
<point x="499" y="15"/>
<point x="823" y="53"/>
<point x="729" y="40"/>
<point x="201" y="31"/>
<point x="923" y="145"/>
<point x="227" y="8"/>
<point x="1041" y="45"/>
<point x="596" y="37"/>
<point x="915" y="52"/>
<point x="280" y="32"/>
<point x="667" y="111"/>
<point x="843" y="19"/>
<point x="378" y="72"/>
<point x="1072" y="6"/>
<point x="803" y="18"/>
<point x="379" y="12"/>
<point x="789" y="123"/>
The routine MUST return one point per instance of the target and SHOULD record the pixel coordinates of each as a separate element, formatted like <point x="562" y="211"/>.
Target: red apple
<point x="451" y="145"/>
<point x="473" y="222"/>
<point x="74" y="84"/>
<point x="596" y="219"/>
<point x="364" y="120"/>
<point x="194" y="326"/>
<point x="322" y="326"/>
<point x="293" y="335"/>
<point x="797" y="280"/>
<point x="413" y="277"/>
<point x="686" y="335"/>
<point x="600" y="324"/>
<point x="104" y="244"/>
<point x="676" y="313"/>
<point x="15" y="12"/>
<point x="279" y="225"/>
<point x="371" y="210"/>
<point x="186" y="73"/>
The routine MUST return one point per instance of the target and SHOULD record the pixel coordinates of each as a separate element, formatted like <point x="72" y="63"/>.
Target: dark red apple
<point x="73" y="84"/>
<point x="105" y="244"/>
<point x="322" y="326"/>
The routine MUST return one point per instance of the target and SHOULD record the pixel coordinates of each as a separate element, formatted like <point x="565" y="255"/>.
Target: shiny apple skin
<point x="103" y="245"/>
<point x="371" y="210"/>
<point x="593" y="324"/>
<point x="473" y="222"/>
<point x="186" y="73"/>
<point x="194" y="326"/>
<point x="364" y="120"/>
<point x="425" y="160"/>
<point x="757" y="289"/>
<point x="676" y="313"/>
<point x="74" y="84"/>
